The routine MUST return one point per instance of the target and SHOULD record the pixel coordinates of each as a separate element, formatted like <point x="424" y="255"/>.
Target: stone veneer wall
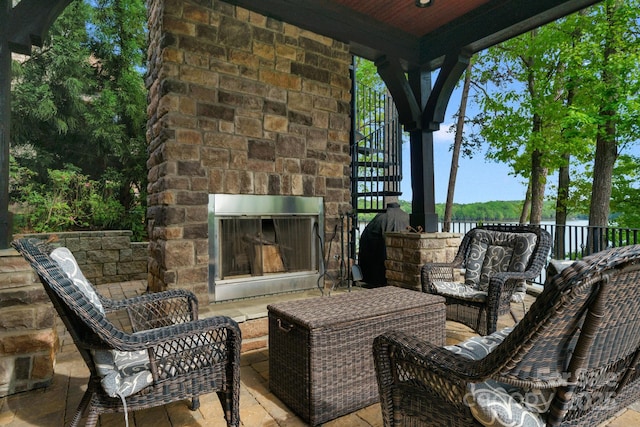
<point x="104" y="256"/>
<point x="28" y="336"/>
<point x="408" y="252"/>
<point x="239" y="103"/>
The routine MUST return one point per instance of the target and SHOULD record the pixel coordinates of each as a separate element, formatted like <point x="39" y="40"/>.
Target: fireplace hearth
<point x="262" y="244"/>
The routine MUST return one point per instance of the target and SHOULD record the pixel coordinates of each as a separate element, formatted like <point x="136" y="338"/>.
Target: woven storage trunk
<point x="320" y="349"/>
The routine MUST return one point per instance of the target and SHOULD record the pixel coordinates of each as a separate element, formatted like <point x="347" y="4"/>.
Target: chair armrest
<point x="155" y="310"/>
<point x="425" y="356"/>
<point x="406" y="366"/>
<point x="213" y="343"/>
<point x="498" y="283"/>
<point x="152" y="338"/>
<point x="433" y="272"/>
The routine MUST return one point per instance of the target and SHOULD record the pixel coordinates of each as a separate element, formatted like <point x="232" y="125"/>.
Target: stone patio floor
<point x="55" y="405"/>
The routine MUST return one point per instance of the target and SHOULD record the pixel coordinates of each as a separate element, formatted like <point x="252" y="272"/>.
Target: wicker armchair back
<point x="578" y="345"/>
<point x="479" y="309"/>
<point x="187" y="357"/>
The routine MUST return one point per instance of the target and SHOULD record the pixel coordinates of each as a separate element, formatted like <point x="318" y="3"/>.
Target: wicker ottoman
<point x="320" y="349"/>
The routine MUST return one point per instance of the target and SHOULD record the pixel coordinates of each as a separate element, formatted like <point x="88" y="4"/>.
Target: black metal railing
<point x="376" y="150"/>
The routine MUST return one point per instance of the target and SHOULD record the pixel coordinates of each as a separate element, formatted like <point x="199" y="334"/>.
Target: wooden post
<point x="423" y="204"/>
<point x="5" y="122"/>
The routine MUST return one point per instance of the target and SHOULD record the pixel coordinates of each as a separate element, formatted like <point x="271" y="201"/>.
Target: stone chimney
<point x="239" y="103"/>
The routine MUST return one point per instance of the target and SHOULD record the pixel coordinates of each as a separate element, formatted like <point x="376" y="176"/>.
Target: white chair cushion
<point x="69" y="265"/>
<point x="459" y="291"/>
<point x="123" y="373"/>
<point x="495" y="404"/>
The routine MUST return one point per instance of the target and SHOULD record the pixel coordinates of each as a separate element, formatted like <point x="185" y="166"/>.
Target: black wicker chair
<point x="573" y="360"/>
<point x="185" y="356"/>
<point x="479" y="308"/>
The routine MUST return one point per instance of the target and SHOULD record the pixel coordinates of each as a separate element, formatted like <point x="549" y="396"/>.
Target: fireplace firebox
<point x="262" y="244"/>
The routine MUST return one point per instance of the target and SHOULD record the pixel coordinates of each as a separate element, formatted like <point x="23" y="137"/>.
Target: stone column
<point x="28" y="337"/>
<point x="408" y="252"/>
<point x="239" y="103"/>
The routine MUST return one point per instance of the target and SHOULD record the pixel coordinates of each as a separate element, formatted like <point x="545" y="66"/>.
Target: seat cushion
<point x="496" y="404"/>
<point x="493" y="403"/>
<point x="459" y="291"/>
<point x="123" y="373"/>
<point x="493" y="251"/>
<point x="476" y="348"/>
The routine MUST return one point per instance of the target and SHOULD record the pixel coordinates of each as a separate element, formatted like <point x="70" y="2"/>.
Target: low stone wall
<point x="105" y="256"/>
<point x="28" y="337"/>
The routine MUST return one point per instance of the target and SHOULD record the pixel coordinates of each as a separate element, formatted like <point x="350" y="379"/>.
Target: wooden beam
<point x="492" y="23"/>
<point x="452" y="69"/>
<point x="29" y="22"/>
<point x="423" y="205"/>
<point x="392" y="73"/>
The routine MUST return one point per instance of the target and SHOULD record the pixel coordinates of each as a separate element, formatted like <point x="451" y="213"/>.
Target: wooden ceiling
<point x="417" y="37"/>
<point x="405" y="16"/>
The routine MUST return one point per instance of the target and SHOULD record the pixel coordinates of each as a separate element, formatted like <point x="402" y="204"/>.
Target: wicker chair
<point x="572" y="360"/>
<point x="497" y="260"/>
<point x="181" y="357"/>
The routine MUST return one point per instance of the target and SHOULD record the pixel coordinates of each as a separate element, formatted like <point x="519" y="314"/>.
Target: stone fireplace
<point x="241" y="104"/>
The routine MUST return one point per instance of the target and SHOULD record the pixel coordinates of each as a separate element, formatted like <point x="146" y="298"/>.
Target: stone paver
<point x="55" y="405"/>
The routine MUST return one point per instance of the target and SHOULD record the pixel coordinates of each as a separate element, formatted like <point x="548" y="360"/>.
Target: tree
<point x="611" y="66"/>
<point x="625" y="192"/>
<point x="457" y="144"/>
<point x="581" y="80"/>
<point x="517" y="98"/>
<point x="80" y="100"/>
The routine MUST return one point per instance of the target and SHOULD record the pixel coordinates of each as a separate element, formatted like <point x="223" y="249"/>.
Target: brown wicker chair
<point x="479" y="308"/>
<point x="576" y="350"/>
<point x="185" y="357"/>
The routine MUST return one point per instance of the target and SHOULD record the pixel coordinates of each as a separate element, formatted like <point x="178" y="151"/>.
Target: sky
<point x="478" y="180"/>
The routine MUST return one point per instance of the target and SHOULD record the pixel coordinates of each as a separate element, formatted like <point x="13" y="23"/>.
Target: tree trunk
<point x="605" y="158"/>
<point x="564" y="181"/>
<point x="538" y="176"/>
<point x="561" y="207"/>
<point x="448" y="209"/>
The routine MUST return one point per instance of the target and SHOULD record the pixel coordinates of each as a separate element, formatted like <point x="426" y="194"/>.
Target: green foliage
<point x="483" y="211"/>
<point x="70" y="201"/>
<point x="625" y="200"/>
<point x="559" y="88"/>
<point x="81" y="100"/>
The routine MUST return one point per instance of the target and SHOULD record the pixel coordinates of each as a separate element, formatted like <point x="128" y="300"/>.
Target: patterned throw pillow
<point x="123" y="373"/>
<point x="493" y="251"/>
<point x="496" y="260"/>
<point x="495" y="404"/>
<point x="473" y="264"/>
<point x="69" y="265"/>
